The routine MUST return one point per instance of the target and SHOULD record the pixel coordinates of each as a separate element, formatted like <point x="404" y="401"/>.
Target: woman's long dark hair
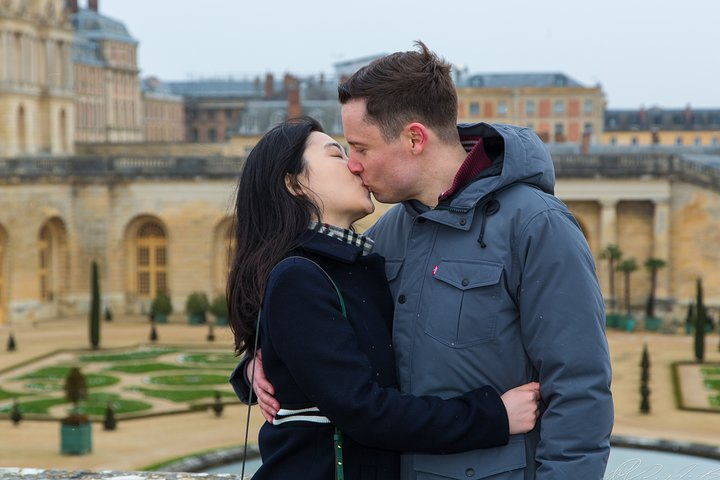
<point x="268" y="220"/>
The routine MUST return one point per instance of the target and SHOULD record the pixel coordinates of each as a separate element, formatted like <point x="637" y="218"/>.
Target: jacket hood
<point x="521" y="157"/>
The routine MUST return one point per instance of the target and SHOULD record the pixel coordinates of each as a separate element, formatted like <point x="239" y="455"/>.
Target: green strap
<point x="337" y="437"/>
<point x="339" y="472"/>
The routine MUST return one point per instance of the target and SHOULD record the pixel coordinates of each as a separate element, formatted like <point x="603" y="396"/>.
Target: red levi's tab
<point x="434" y="271"/>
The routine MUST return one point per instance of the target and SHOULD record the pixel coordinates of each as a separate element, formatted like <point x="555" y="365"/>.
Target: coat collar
<point x="326" y="246"/>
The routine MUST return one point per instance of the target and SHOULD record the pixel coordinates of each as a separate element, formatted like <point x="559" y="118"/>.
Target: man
<point x="493" y="281"/>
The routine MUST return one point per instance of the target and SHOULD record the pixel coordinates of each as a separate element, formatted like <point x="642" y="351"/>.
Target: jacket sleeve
<point x="239" y="381"/>
<point x="562" y="322"/>
<point x="306" y="329"/>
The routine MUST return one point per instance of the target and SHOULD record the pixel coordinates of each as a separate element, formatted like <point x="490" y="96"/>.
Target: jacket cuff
<point x="240" y="382"/>
<point x="497" y="419"/>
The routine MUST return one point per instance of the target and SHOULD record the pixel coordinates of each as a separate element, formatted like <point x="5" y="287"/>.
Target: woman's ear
<point x="293" y="185"/>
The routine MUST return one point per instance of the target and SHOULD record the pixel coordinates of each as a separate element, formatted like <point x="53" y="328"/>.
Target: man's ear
<point x="417" y="137"/>
<point x="293" y="185"/>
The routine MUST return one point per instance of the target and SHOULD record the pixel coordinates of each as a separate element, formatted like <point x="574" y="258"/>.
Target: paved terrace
<point x="137" y="444"/>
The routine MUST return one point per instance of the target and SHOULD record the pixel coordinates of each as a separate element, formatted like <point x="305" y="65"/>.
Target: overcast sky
<point x="642" y="52"/>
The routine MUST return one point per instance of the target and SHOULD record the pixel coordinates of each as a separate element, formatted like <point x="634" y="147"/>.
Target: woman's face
<point x="341" y="196"/>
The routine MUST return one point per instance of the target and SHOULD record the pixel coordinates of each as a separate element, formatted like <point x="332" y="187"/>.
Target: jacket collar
<point x="326" y="246"/>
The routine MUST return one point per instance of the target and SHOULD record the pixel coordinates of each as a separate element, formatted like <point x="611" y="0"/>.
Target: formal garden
<point x="134" y="382"/>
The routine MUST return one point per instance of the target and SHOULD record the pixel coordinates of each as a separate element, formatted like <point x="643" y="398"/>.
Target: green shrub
<point x="219" y="306"/>
<point x="197" y="303"/>
<point x="161" y="304"/>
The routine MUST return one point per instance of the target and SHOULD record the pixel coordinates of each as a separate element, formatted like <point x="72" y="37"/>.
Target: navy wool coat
<point x="345" y="367"/>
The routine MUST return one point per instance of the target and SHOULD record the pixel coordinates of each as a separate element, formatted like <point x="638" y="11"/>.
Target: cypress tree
<point x="700" y="320"/>
<point x="15" y="413"/>
<point x="109" y="422"/>
<point x="94" y="307"/>
<point x="644" y="378"/>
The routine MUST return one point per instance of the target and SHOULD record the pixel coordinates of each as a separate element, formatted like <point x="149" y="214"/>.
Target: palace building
<point x="99" y="165"/>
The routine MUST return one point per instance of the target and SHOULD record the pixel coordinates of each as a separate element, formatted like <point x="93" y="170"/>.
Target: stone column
<point x="661" y="245"/>
<point x="608" y="236"/>
<point x="5" y="49"/>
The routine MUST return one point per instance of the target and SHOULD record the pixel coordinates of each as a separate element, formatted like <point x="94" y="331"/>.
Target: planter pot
<point x="652" y="324"/>
<point x="196" y="318"/>
<point x="627" y="323"/>
<point x="611" y="320"/>
<point x="160" y="318"/>
<point x="76" y="439"/>
<point x="221" y="321"/>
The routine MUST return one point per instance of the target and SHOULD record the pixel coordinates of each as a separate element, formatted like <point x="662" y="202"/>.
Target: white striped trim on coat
<point x="311" y="414"/>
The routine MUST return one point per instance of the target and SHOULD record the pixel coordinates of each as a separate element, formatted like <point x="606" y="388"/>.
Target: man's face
<point x="384" y="167"/>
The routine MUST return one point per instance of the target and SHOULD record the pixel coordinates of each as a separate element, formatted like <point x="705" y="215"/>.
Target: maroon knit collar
<point x="476" y="161"/>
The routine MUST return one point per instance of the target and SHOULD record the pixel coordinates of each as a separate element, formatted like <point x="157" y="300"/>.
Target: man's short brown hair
<point x="404" y="87"/>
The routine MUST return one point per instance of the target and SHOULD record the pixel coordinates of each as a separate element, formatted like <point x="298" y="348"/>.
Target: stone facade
<point x="555" y="106"/>
<point x="36" y="79"/>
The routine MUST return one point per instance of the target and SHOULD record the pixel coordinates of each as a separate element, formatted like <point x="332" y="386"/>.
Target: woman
<point x="296" y="203"/>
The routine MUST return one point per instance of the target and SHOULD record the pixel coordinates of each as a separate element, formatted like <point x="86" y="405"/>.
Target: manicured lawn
<point x="182" y="395"/>
<point x="193" y="375"/>
<point x="143" y="354"/>
<point x="144" y="367"/>
<point x="190" y="379"/>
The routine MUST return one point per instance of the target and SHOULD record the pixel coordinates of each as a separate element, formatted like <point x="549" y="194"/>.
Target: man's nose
<point x="354" y="167"/>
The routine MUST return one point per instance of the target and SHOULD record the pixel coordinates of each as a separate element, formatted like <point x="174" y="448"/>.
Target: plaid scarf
<point x="345" y="235"/>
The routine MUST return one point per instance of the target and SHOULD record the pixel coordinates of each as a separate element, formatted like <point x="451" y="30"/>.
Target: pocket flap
<point x="475" y="464"/>
<point x="466" y="275"/>
<point x="392" y="268"/>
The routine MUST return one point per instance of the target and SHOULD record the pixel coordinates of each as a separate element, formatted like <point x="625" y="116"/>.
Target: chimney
<point x="269" y="85"/>
<point x="322" y="79"/>
<point x="688" y="114"/>
<point x="585" y="145"/>
<point x="72" y="6"/>
<point x="643" y="115"/>
<point x="293" y="96"/>
<point x="93" y="5"/>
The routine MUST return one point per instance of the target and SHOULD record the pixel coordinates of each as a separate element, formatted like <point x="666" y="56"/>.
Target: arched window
<point x="45" y="264"/>
<point x="150" y="260"/>
<point x="22" y="132"/>
<point x="63" y="132"/>
<point x="53" y="273"/>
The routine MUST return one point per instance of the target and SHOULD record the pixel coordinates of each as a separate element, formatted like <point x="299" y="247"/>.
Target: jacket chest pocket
<point x="464" y="303"/>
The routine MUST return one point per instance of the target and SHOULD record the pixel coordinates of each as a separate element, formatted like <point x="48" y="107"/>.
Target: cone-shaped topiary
<point x="700" y="320"/>
<point x="94" y="306"/>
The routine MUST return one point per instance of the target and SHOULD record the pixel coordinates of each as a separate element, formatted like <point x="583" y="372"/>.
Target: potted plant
<point x="219" y="309"/>
<point x="160" y="307"/>
<point x="75" y="429"/>
<point x="196" y="306"/>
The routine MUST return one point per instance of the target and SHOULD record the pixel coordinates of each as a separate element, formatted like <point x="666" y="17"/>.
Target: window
<point x="502" y="109"/>
<point x="678" y="141"/>
<point x="588" y="107"/>
<point x="151" y="260"/>
<point x="474" y="108"/>
<point x="530" y="107"/>
<point x="634" y="141"/>
<point x="559" y="106"/>
<point x="210" y="114"/>
<point x="714" y="141"/>
<point x="588" y="127"/>
<point x="697" y="141"/>
<point x="212" y="135"/>
<point x="613" y="141"/>
<point x="44" y="264"/>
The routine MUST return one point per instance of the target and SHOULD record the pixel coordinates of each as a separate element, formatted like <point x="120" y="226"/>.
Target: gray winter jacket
<point x="497" y="286"/>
